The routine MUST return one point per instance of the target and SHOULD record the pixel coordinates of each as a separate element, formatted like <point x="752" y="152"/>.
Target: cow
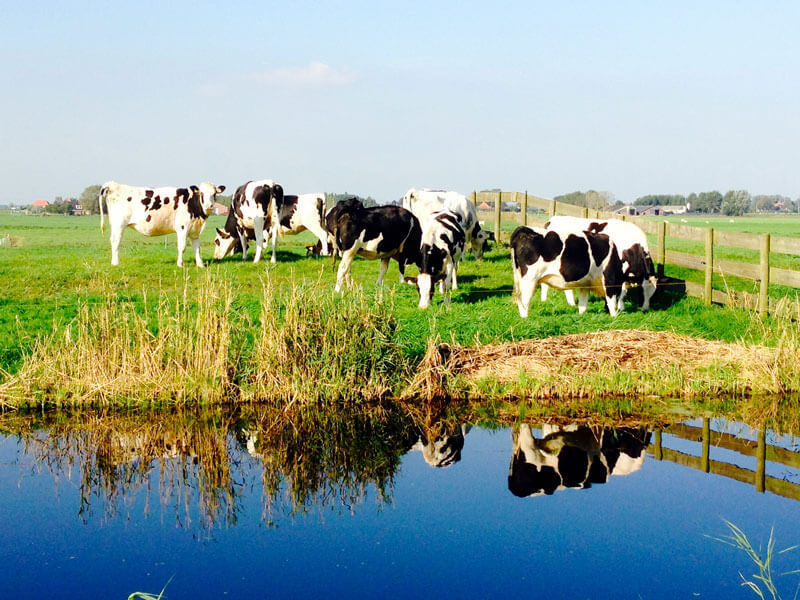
<point x="632" y="249"/>
<point x="572" y="457"/>
<point x="250" y="215"/>
<point x="423" y="203"/>
<point x="294" y="214"/>
<point x="158" y="211"/>
<point x="582" y="261"/>
<point x="376" y="233"/>
<point x="442" y="449"/>
<point x="443" y="241"/>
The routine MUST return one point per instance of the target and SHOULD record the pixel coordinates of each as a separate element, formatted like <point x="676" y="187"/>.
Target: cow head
<point x="224" y="244"/>
<point x="208" y="195"/>
<point x="480" y="241"/>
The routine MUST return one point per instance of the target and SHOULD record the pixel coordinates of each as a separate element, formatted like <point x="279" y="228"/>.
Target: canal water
<point x="377" y="507"/>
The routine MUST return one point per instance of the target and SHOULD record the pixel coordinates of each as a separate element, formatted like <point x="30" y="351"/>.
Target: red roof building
<point x="40" y="203"/>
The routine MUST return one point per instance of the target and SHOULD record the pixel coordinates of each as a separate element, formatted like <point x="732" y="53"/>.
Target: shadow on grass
<point x="473" y="296"/>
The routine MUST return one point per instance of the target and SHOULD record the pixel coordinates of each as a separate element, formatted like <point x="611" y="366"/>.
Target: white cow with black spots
<point x="632" y="249"/>
<point x="158" y="211"/>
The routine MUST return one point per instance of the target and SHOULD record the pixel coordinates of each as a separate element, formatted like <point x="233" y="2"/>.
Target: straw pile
<point x="566" y="362"/>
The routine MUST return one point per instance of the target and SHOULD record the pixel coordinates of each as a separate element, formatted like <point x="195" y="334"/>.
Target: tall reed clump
<point x="324" y="347"/>
<point x="174" y="350"/>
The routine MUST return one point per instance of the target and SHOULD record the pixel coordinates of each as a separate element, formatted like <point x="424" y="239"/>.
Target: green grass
<point x="63" y="263"/>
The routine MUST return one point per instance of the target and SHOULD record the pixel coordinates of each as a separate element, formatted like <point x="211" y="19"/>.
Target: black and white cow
<point x="376" y="233"/>
<point x="297" y="213"/>
<point x="632" y="249"/>
<point x="443" y="242"/>
<point x="442" y="449"/>
<point x="572" y="457"/>
<point x="250" y="215"/>
<point x="158" y="211"/>
<point x="582" y="261"/>
<point x="423" y="203"/>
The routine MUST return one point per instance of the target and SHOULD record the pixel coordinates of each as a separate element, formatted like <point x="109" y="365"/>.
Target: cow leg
<point x="343" y="274"/>
<point x="611" y="303"/>
<point x="621" y="302"/>
<point x="383" y="268"/>
<point x="583" y="300"/>
<point x="648" y="289"/>
<point x="181" y="235"/>
<point x="570" y="296"/>
<point x="116" y="238"/>
<point x="196" y="247"/>
<point x="258" y="230"/>
<point x="243" y="241"/>
<point x="527" y="286"/>
<point x="274" y="231"/>
<point x="543" y="296"/>
<point x="455" y="280"/>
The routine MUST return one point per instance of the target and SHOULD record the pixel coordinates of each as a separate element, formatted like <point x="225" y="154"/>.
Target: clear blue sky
<point x="373" y="98"/>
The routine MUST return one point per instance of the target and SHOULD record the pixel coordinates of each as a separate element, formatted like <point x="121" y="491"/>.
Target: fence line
<point x="712" y="266"/>
<point x="708" y="439"/>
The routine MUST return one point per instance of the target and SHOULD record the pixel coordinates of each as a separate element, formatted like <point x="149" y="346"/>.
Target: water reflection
<point x="572" y="457"/>
<point x="199" y="466"/>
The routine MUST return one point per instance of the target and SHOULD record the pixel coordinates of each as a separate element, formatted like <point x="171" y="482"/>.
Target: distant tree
<point x="708" y="202"/>
<point x="770" y="203"/>
<point x="660" y="200"/>
<point x="735" y="202"/>
<point x="331" y="199"/>
<point x="591" y="199"/>
<point x="59" y="207"/>
<point x="224" y="200"/>
<point x="89" y="198"/>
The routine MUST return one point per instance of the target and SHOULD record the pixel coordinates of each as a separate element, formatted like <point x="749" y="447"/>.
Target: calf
<point x="294" y="214"/>
<point x="158" y="211"/>
<point x="443" y="242"/>
<point x="632" y="249"/>
<point x="252" y="206"/>
<point x="581" y="261"/>
<point x="423" y="203"/>
<point x="380" y="232"/>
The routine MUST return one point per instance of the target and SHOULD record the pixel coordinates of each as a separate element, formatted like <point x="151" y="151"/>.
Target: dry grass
<point x="174" y="350"/>
<point x="623" y="362"/>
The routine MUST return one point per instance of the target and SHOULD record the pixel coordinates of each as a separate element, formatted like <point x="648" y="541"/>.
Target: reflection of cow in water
<point x="442" y="450"/>
<point x="572" y="457"/>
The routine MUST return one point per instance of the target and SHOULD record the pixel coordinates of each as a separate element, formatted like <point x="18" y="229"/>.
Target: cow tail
<point x="100" y="199"/>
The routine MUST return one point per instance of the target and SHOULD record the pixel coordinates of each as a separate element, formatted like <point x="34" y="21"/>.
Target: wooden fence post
<point x="658" y="453"/>
<point x="761" y="458"/>
<point x="662" y="247"/>
<point x="497" y="208"/>
<point x="585" y="212"/>
<point x="552" y="210"/>
<point x="474" y="198"/>
<point x="705" y="459"/>
<point x="708" y="290"/>
<point x="525" y="208"/>
<point x="763" y="299"/>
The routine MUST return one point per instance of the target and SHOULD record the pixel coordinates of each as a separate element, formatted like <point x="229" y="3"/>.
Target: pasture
<point x="56" y="265"/>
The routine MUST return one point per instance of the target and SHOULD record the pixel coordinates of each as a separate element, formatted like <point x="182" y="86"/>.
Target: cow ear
<point x="220" y="189"/>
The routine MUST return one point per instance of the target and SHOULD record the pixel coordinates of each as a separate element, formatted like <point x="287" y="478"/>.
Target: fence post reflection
<point x="761" y="459"/>
<point x="706" y="464"/>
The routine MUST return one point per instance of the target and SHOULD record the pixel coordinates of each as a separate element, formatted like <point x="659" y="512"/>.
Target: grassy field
<point x="56" y="265"/>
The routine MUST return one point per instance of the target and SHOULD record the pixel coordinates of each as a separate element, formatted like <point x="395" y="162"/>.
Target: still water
<point x="258" y="506"/>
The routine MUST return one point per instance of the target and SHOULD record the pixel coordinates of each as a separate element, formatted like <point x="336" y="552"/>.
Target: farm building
<point x="219" y="209"/>
<point x="40" y="204"/>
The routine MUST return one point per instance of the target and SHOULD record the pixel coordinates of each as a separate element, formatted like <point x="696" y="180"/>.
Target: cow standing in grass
<point x="158" y="211"/>
<point x="423" y="203"/>
<point x="582" y="261"/>
<point x="632" y="249"/>
<point x="294" y="214"/>
<point x="252" y="206"/>
<point x="377" y="233"/>
<point x="442" y="247"/>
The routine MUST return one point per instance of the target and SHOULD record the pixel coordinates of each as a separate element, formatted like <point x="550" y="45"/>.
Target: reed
<point x="173" y="350"/>
<point x="316" y="346"/>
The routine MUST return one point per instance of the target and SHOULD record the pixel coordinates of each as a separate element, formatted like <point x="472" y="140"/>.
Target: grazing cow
<point x="581" y="261"/>
<point x="443" y="242"/>
<point x="379" y="232"/>
<point x="297" y="213"/>
<point x="572" y="457"/>
<point x="423" y="203"/>
<point x="632" y="249"/>
<point x="158" y="211"/>
<point x="252" y="207"/>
